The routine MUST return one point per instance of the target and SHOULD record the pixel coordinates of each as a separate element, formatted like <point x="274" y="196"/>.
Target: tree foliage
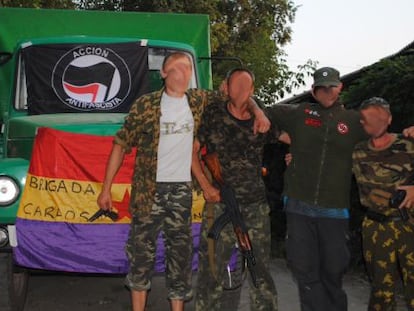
<point x="253" y="30"/>
<point x="52" y="4"/>
<point x="392" y="79"/>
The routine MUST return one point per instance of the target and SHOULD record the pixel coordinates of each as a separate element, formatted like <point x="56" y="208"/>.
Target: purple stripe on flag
<point x="87" y="248"/>
<point x="71" y="247"/>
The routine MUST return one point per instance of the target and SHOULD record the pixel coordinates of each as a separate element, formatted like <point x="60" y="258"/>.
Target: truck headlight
<point x="4" y="237"/>
<point x="9" y="191"/>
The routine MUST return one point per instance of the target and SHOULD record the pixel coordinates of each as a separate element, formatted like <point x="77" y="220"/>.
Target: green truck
<point x="30" y="41"/>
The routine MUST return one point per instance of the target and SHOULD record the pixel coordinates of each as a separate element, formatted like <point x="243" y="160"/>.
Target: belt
<point x="187" y="183"/>
<point x="378" y="217"/>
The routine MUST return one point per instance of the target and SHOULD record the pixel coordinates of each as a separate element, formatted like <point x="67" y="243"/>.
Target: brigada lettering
<point x="60" y="185"/>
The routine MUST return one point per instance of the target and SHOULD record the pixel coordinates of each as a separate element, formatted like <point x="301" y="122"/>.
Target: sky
<point x="348" y="34"/>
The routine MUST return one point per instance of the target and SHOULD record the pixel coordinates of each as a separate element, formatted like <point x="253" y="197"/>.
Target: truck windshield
<point x="102" y="87"/>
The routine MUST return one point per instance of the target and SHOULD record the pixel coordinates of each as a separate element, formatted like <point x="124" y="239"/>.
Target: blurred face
<point x="240" y="87"/>
<point x="327" y="96"/>
<point x="375" y="121"/>
<point x="177" y="73"/>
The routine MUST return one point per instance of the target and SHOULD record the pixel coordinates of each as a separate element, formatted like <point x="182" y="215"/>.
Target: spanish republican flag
<point x="62" y="185"/>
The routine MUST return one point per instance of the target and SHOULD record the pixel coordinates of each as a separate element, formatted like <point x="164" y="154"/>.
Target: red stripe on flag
<point x="87" y="89"/>
<point x="83" y="157"/>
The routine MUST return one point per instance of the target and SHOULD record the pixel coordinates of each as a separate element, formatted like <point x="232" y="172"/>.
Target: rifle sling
<point x="211" y="243"/>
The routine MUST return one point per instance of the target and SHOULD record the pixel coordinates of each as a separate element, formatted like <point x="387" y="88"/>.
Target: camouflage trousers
<point x="389" y="253"/>
<point x="210" y="294"/>
<point x="170" y="213"/>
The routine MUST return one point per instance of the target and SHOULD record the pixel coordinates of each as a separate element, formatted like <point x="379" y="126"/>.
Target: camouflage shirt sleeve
<point x="127" y="134"/>
<point x="210" y="96"/>
<point x="205" y="126"/>
<point x="355" y="162"/>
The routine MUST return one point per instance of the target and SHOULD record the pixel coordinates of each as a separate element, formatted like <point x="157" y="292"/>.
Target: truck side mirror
<point x="5" y="57"/>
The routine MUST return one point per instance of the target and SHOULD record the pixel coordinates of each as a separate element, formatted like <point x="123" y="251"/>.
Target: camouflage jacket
<point x="239" y="151"/>
<point x="141" y="129"/>
<point x="379" y="172"/>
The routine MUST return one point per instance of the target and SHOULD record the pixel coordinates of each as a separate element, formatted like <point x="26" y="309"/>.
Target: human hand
<point x="261" y="123"/>
<point x="211" y="194"/>
<point x="409" y="132"/>
<point x="408" y="201"/>
<point x="105" y="200"/>
<point x="288" y="158"/>
<point x="223" y="87"/>
<point x="284" y="138"/>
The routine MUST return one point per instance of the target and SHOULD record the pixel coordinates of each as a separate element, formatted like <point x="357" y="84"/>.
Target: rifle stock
<point x="213" y="165"/>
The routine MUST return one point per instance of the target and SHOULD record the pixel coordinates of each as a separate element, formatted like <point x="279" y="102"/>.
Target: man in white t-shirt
<point x="162" y="125"/>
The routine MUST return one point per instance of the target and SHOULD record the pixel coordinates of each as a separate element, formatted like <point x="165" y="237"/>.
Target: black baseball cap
<point x="326" y="76"/>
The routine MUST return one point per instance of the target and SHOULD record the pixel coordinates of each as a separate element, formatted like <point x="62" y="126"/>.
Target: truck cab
<point x="76" y="71"/>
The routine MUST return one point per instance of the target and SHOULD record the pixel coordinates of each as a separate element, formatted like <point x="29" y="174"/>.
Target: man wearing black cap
<point x="317" y="187"/>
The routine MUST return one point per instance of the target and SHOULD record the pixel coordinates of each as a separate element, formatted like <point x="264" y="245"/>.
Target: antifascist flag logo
<point x="91" y="77"/>
<point x="85" y="77"/>
<point x="96" y="83"/>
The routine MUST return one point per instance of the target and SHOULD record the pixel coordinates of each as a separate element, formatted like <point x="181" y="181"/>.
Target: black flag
<point x="86" y="77"/>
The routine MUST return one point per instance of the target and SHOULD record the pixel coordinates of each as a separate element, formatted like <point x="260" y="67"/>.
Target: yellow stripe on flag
<point x="198" y="206"/>
<point x="73" y="201"/>
<point x="65" y="200"/>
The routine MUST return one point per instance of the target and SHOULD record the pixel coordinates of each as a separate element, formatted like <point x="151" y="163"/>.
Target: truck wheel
<point x="13" y="284"/>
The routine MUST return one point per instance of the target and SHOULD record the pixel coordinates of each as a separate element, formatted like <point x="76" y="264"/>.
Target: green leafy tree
<point x="255" y="31"/>
<point x="52" y="4"/>
<point x="392" y="79"/>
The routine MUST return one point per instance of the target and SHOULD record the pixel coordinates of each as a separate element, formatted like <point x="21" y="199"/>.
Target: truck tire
<point x="13" y="284"/>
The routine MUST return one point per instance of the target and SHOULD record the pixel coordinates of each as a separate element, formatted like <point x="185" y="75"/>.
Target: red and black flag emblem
<point x="85" y="77"/>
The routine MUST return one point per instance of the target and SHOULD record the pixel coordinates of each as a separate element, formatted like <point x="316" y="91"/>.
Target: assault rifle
<point x="231" y="213"/>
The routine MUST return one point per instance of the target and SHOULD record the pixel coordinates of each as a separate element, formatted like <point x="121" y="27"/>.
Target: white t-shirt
<point x="176" y="140"/>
